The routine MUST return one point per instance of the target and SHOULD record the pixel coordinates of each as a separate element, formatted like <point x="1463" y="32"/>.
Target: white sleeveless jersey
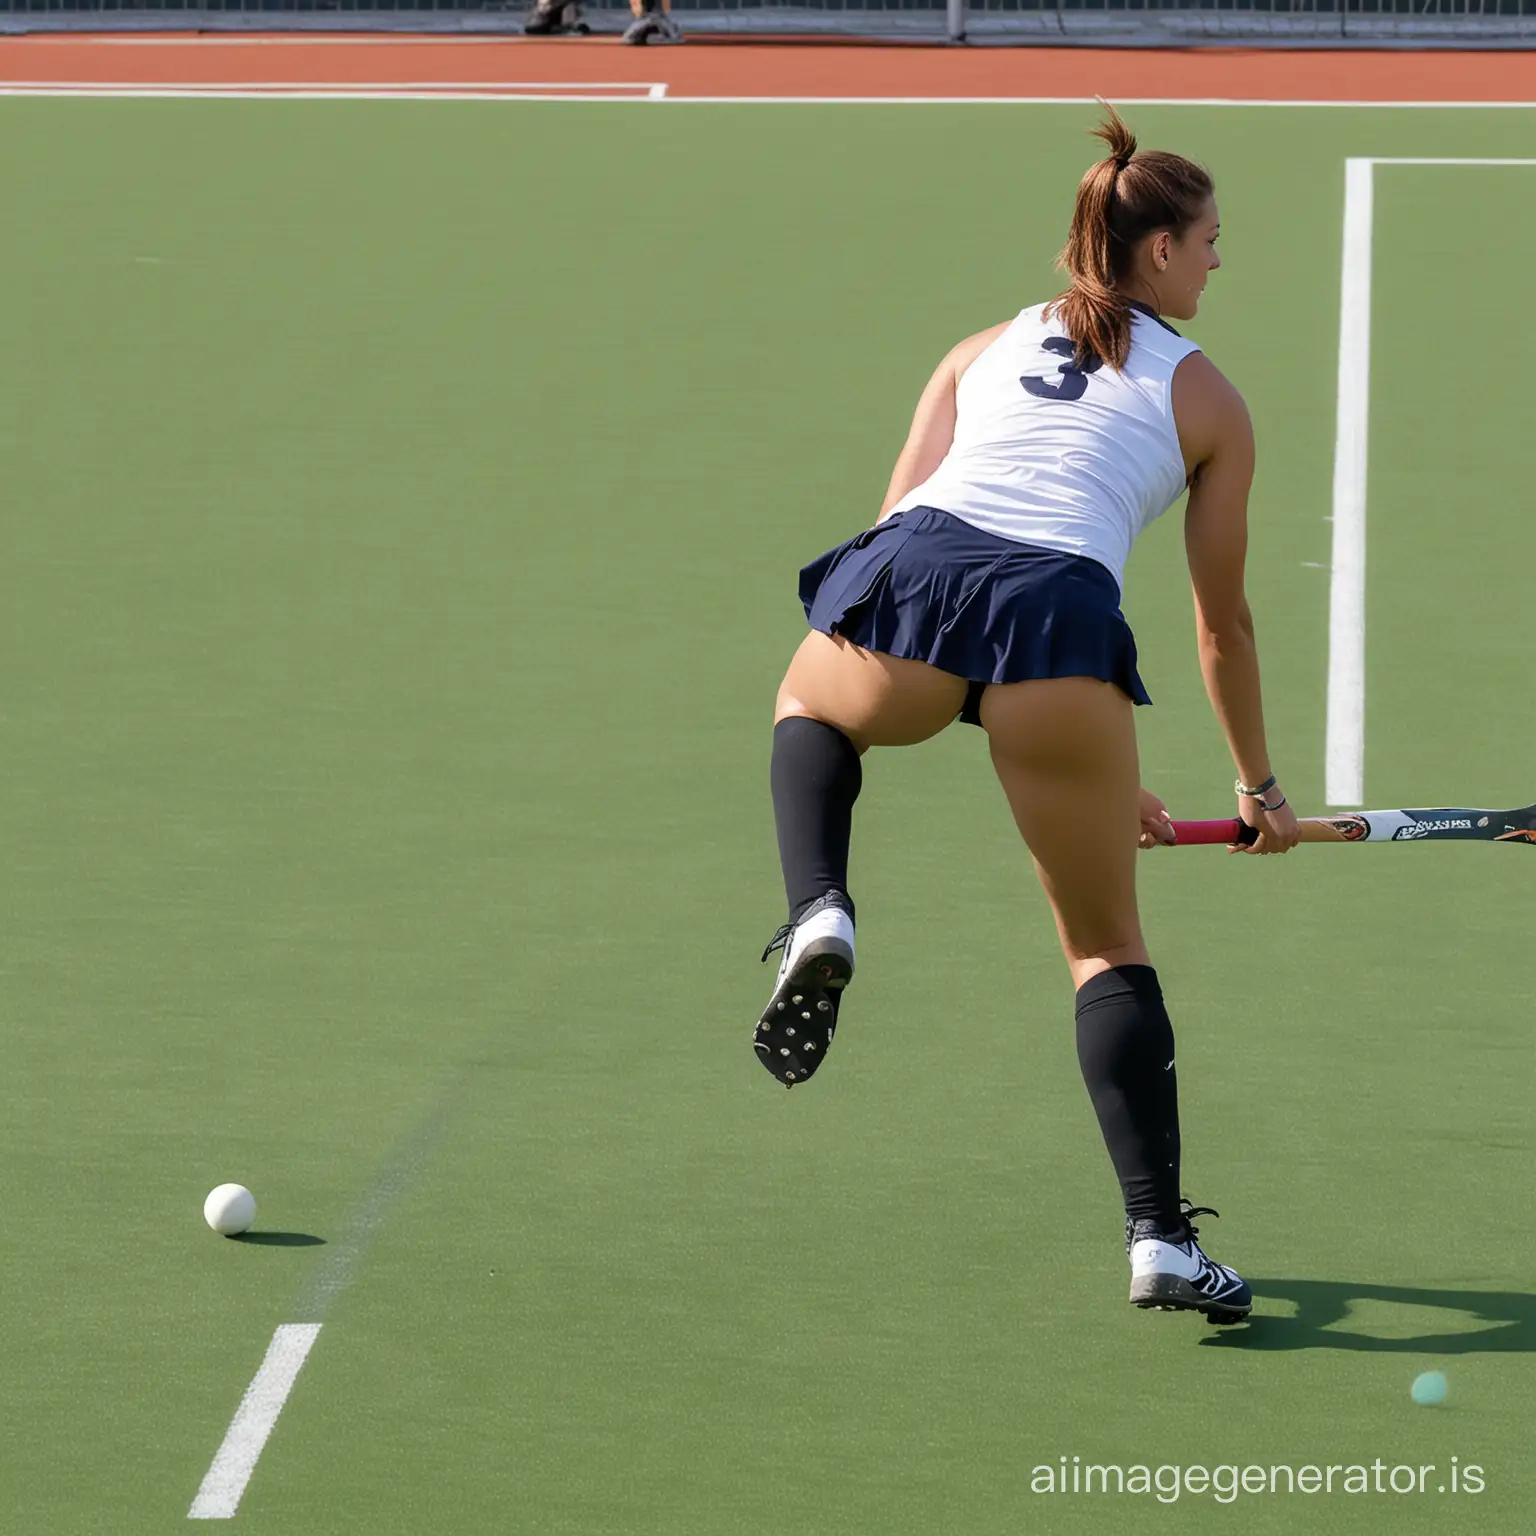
<point x="1079" y="460"/>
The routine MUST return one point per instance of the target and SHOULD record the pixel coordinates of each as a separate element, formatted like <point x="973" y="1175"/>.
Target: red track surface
<point x="779" y="70"/>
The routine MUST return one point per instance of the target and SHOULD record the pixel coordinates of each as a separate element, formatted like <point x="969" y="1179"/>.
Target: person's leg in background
<point x="554" y="18"/>
<point x="653" y="23"/>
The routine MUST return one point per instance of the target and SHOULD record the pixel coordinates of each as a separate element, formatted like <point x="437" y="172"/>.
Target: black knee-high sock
<point x="1125" y="1048"/>
<point x="816" y="777"/>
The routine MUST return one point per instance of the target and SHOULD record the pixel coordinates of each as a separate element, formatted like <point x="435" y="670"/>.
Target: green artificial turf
<point x="401" y="516"/>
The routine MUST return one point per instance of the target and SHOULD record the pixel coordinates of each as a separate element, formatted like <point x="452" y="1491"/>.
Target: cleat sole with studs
<point x="796" y="1028"/>
<point x="1172" y="1293"/>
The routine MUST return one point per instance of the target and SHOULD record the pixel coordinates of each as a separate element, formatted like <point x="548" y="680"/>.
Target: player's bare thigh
<point x="874" y="699"/>
<point x="1065" y="753"/>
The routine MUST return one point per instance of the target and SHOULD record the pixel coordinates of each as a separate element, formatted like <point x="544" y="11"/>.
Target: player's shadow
<point x="1322" y="1319"/>
<point x="280" y="1239"/>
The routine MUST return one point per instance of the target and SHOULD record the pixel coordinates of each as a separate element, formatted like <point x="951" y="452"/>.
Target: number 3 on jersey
<point x="1072" y="380"/>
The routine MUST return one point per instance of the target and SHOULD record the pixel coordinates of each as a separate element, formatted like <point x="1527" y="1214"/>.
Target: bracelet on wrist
<point x="1265" y="806"/>
<point x="1257" y="792"/>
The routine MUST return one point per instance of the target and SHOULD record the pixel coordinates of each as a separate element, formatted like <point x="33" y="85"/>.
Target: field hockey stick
<point x="1441" y="826"/>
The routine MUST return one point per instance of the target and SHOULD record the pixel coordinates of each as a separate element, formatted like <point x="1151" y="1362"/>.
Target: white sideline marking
<point x="645" y="91"/>
<point x="1445" y="160"/>
<point x="1074" y="101"/>
<point x="224" y="1486"/>
<point x="1344" y="779"/>
<point x="366" y="1220"/>
<point x="343" y="85"/>
<point x="283" y="91"/>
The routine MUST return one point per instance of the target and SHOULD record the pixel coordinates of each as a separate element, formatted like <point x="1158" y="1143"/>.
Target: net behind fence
<point x="1287" y="22"/>
<point x="1290" y="23"/>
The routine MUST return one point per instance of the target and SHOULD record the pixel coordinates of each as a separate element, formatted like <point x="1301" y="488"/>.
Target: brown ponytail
<point x="1125" y="197"/>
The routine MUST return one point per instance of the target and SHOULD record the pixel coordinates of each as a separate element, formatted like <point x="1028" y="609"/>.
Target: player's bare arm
<point x="1216" y="434"/>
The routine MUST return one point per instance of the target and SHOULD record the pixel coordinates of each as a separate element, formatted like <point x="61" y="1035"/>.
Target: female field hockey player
<point x="989" y="589"/>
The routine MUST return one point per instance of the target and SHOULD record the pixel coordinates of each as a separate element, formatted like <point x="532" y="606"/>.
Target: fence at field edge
<point x="1181" y="23"/>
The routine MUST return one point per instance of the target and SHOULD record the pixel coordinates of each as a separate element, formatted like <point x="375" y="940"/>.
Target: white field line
<point x="640" y="86"/>
<point x="278" y="91"/>
<point x="1344" y="778"/>
<point x="1444" y="160"/>
<point x="224" y="1486"/>
<point x="659" y="91"/>
<point x="344" y="1257"/>
<point x="1074" y="101"/>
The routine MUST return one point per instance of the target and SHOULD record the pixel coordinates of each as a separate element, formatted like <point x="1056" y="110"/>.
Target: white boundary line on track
<point x="1070" y="101"/>
<point x="1344" y="778"/>
<point x="276" y="90"/>
<point x="224" y="1486"/>
<point x="629" y="86"/>
<point x="659" y="91"/>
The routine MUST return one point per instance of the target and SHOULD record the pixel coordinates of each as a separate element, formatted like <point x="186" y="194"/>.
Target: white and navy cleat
<point x="796" y="1028"/>
<point x="1170" y="1272"/>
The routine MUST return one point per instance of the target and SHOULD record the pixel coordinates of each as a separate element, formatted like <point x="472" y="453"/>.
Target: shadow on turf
<point x="1322" y="1315"/>
<point x="280" y="1239"/>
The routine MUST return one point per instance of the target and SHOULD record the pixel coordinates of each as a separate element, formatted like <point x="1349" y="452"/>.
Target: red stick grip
<point x="1192" y="832"/>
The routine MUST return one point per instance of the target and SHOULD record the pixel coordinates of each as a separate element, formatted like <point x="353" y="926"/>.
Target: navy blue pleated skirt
<point x="926" y="586"/>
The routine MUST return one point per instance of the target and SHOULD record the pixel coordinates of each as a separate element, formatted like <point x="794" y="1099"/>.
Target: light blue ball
<point x="1429" y="1388"/>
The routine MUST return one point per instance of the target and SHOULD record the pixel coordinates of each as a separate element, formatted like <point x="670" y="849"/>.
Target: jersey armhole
<point x="1002" y="335"/>
<point x="1173" y="419"/>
